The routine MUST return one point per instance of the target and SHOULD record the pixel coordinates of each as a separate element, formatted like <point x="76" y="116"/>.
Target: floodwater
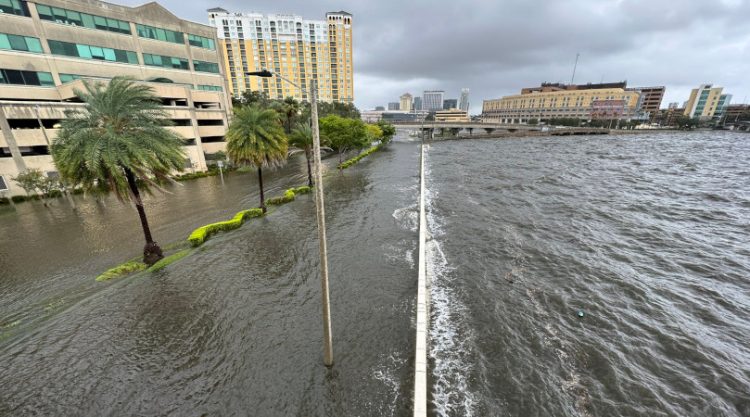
<point x="572" y="276"/>
<point x="234" y="329"/>
<point x="648" y="236"/>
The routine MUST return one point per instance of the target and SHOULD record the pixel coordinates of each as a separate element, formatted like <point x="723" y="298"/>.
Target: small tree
<point x="343" y="134"/>
<point x="389" y="131"/>
<point x="533" y="122"/>
<point x="30" y="180"/>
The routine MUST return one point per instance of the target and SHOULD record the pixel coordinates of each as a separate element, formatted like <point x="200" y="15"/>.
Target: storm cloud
<point x="497" y="47"/>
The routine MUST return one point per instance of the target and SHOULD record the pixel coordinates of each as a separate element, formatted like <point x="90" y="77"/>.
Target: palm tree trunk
<point x="309" y="169"/>
<point x="151" y="251"/>
<point x="260" y="184"/>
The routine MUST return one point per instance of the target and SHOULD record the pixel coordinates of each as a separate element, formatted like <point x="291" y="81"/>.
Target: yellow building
<point x="48" y="48"/>
<point x="706" y="101"/>
<point x="405" y="102"/>
<point x="558" y="101"/>
<point x="298" y="49"/>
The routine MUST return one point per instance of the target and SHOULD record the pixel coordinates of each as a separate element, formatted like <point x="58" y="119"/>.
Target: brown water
<point x="233" y="329"/>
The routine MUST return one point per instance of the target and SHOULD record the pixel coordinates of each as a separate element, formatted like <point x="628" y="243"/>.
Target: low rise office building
<point x="454" y="115"/>
<point x="553" y="101"/>
<point x="49" y="48"/>
<point x="707" y="102"/>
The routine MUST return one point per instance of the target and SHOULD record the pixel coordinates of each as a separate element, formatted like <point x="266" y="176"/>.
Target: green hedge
<point x="202" y="233"/>
<point x="302" y="190"/>
<point x="286" y="198"/>
<point x="349" y="162"/>
<point x="120" y="270"/>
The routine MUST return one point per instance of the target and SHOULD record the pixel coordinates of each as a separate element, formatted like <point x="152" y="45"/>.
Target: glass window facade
<point x="18" y="77"/>
<point x="73" y="18"/>
<point x="20" y="43"/>
<point x="16" y="7"/>
<point x="206" y="66"/>
<point x="201" y="42"/>
<point x="210" y="88"/>
<point x="165" y="61"/>
<point x="66" y="78"/>
<point x="159" y="34"/>
<point x="92" y="52"/>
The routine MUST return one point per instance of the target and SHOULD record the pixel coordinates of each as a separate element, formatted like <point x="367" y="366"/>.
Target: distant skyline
<point x="496" y="48"/>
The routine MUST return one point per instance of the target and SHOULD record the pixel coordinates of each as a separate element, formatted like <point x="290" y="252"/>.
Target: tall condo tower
<point x="299" y="49"/>
<point x="463" y="103"/>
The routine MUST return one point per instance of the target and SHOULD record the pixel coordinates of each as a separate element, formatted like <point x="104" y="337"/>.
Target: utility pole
<point x="327" y="341"/>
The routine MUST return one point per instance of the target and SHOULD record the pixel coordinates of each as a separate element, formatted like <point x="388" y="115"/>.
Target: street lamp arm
<point x="268" y="74"/>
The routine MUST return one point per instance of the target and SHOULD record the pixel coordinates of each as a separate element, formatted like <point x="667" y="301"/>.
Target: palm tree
<point x="256" y="137"/>
<point x="302" y="139"/>
<point x="118" y="142"/>
<point x="290" y="109"/>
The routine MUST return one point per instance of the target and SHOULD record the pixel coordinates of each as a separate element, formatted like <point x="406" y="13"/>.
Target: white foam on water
<point x="407" y="217"/>
<point x="386" y="372"/>
<point x="451" y="341"/>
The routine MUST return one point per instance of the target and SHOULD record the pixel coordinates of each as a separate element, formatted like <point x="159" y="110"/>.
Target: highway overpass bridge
<point x="477" y="129"/>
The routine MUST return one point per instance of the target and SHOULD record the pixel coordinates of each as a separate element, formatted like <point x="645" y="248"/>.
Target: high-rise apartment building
<point x="300" y="50"/>
<point x="551" y="101"/>
<point x="394" y="105"/>
<point x="48" y="49"/>
<point x="405" y="102"/>
<point x="417" y="104"/>
<point x="463" y="103"/>
<point x="706" y="102"/>
<point x="450" y="104"/>
<point x="433" y="100"/>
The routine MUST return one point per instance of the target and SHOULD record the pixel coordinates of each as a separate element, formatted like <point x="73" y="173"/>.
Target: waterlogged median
<point x="200" y="235"/>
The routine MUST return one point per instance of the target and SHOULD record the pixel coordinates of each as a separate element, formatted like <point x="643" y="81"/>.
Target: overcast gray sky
<point x="496" y="47"/>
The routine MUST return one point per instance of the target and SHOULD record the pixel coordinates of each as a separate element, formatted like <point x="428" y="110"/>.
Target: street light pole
<point x="323" y="247"/>
<point x="321" y="215"/>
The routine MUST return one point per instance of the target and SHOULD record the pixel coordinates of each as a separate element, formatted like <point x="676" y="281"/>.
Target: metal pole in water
<point x="320" y="208"/>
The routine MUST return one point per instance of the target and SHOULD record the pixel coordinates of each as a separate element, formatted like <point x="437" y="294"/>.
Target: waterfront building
<point x="450" y="103"/>
<point x="706" y="102"/>
<point x="417" y="104"/>
<point x="299" y="49"/>
<point x="405" y="102"/>
<point x="49" y="48"/>
<point x="453" y="115"/>
<point x="551" y="101"/>
<point x="463" y="103"/>
<point x="651" y="98"/>
<point x="736" y="112"/>
<point x="394" y="106"/>
<point x="432" y="100"/>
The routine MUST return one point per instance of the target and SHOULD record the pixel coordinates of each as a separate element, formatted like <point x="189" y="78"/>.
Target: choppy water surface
<point x="646" y="235"/>
<point x="234" y="329"/>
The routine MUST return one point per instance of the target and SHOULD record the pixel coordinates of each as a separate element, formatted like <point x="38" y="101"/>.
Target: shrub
<point x="202" y="233"/>
<point x="349" y="162"/>
<point x="120" y="270"/>
<point x="22" y="198"/>
<point x="248" y="214"/>
<point x="302" y="190"/>
<point x="4" y="201"/>
<point x="169" y="260"/>
<point x="286" y="198"/>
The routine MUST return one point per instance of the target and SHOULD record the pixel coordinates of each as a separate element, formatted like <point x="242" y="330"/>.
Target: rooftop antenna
<point x="574" y="69"/>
